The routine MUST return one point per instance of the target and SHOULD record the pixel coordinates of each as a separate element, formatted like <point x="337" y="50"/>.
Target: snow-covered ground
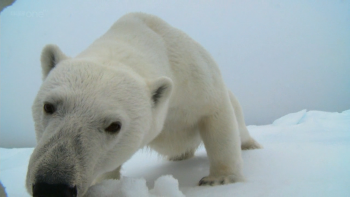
<point x="305" y="154"/>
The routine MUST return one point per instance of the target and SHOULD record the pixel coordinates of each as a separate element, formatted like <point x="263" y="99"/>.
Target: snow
<point x="136" y="187"/>
<point x="290" y="119"/>
<point x="305" y="154"/>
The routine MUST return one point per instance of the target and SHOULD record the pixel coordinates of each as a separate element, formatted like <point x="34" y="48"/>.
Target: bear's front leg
<point x="220" y="135"/>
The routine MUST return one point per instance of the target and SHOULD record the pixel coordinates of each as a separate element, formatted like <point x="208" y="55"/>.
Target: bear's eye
<point x="114" y="127"/>
<point x="49" y="108"/>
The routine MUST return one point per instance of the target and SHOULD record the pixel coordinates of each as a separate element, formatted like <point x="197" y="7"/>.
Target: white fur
<point x="115" y="79"/>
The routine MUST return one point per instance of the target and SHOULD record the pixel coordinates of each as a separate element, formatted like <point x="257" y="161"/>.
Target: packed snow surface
<point x="305" y="154"/>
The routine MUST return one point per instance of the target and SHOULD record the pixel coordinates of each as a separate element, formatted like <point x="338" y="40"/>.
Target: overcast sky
<point x="277" y="56"/>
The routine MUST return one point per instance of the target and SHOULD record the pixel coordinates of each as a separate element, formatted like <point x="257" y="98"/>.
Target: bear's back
<point x="192" y="68"/>
<point x="152" y="48"/>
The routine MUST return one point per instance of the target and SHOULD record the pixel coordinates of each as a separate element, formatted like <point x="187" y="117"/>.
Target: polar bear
<point x="143" y="83"/>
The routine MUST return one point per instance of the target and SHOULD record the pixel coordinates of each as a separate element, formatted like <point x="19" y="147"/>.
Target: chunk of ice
<point x="167" y="186"/>
<point x="133" y="187"/>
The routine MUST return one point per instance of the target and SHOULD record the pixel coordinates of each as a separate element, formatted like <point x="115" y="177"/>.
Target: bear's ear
<point x="160" y="90"/>
<point x="50" y="57"/>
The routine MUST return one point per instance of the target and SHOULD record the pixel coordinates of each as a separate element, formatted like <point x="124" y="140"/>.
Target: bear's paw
<point x="219" y="180"/>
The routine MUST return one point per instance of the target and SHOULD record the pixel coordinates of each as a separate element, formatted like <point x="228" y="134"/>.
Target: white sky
<point x="276" y="56"/>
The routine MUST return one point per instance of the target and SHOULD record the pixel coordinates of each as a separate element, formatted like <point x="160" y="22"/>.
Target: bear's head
<point x="89" y="119"/>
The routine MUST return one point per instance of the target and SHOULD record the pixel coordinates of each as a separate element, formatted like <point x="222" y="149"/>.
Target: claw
<point x="201" y="182"/>
<point x="219" y="180"/>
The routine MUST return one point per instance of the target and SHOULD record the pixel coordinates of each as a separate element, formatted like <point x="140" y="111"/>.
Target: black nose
<point x="54" y="190"/>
